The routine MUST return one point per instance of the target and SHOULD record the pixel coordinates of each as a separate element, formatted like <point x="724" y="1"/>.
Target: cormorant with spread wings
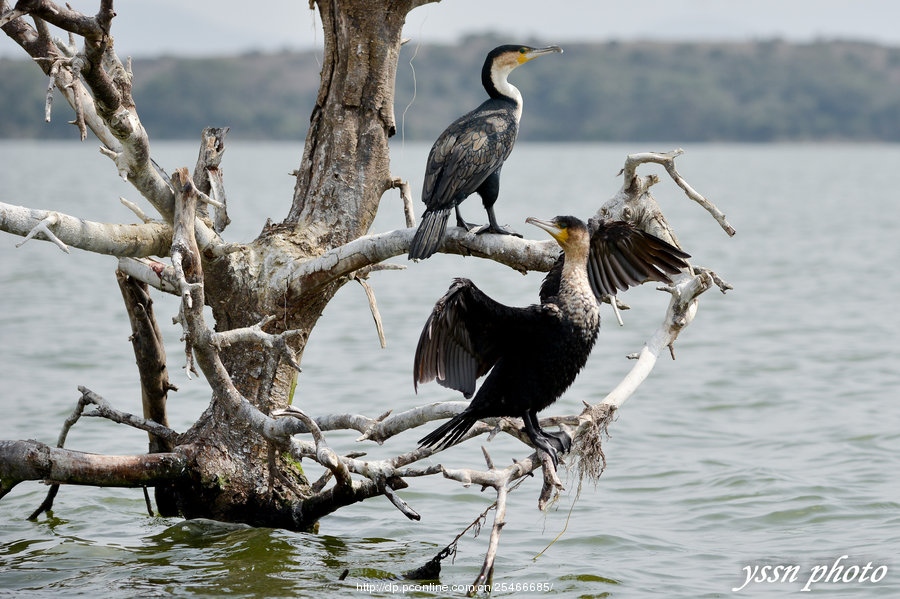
<point x="533" y="354"/>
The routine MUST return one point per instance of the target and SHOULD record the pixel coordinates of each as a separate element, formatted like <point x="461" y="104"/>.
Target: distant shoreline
<point x="760" y="91"/>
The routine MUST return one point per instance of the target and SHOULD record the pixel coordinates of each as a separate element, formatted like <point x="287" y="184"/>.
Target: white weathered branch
<point x="43" y="227"/>
<point x="107" y="108"/>
<point x="409" y="212"/>
<point x="48" y="103"/>
<point x="156" y="274"/>
<point x="520" y="254"/>
<point x="11" y="15"/>
<point x="679" y="314"/>
<point x="147" y="239"/>
<point x="217" y="193"/>
<point x="373" y="307"/>
<point x="667" y="160"/>
<point x="136" y="209"/>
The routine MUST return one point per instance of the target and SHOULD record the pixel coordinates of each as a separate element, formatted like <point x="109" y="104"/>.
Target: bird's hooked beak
<point x="533" y="53"/>
<point x="560" y="234"/>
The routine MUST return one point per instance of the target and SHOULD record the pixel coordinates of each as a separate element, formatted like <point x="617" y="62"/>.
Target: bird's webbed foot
<point x="496" y="229"/>
<point x="547" y="446"/>
<point x="551" y="443"/>
<point x="561" y="441"/>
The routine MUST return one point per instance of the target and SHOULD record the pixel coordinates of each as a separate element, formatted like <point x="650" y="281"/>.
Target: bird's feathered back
<point x="471" y="149"/>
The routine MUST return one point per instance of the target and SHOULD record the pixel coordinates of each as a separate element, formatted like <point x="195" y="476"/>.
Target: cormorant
<point x="468" y="155"/>
<point x="533" y="353"/>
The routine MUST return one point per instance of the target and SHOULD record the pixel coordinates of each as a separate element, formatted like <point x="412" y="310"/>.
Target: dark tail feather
<point x="450" y="432"/>
<point x="429" y="235"/>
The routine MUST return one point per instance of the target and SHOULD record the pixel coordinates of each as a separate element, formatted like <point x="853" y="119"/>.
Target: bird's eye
<point x="523" y="50"/>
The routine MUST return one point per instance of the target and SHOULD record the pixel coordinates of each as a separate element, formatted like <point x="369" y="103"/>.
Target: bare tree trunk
<point x="344" y="171"/>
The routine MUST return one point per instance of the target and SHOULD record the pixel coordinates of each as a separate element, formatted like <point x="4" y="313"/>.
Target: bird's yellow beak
<point x="535" y="52"/>
<point x="561" y="235"/>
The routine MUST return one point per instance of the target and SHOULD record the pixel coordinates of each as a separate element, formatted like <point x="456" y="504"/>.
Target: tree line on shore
<point x="755" y="91"/>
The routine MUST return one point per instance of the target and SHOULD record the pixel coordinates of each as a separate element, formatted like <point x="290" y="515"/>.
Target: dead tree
<point x="238" y="462"/>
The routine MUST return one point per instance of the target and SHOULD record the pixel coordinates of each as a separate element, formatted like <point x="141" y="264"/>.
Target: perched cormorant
<point x="468" y="155"/>
<point x="533" y="353"/>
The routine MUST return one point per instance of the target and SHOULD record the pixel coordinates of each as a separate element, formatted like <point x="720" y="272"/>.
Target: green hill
<point x="615" y="91"/>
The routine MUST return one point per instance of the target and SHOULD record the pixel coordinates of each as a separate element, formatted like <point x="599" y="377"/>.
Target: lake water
<point x="772" y="440"/>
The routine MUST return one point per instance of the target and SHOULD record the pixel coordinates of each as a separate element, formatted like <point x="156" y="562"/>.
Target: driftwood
<point x="267" y="295"/>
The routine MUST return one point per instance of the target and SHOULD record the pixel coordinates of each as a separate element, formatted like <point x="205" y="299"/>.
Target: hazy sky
<point x="204" y="27"/>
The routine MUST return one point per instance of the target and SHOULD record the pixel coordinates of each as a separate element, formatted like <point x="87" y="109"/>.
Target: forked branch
<point x="136" y="240"/>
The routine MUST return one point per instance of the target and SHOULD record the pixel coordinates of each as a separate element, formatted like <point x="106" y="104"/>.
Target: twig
<point x="486" y="575"/>
<point x="136" y="209"/>
<point x="551" y="483"/>
<point x="615" y="306"/>
<point x="47" y="504"/>
<point x="43" y="227"/>
<point x="147" y="502"/>
<point x="217" y="192"/>
<point x="373" y="307"/>
<point x="667" y="160"/>
<point x="78" y="121"/>
<point x="119" y="159"/>
<point x="400" y="504"/>
<point x="105" y="410"/>
<point x="719" y="282"/>
<point x="48" y="106"/>
<point x="409" y="212"/>
<point x="692" y="193"/>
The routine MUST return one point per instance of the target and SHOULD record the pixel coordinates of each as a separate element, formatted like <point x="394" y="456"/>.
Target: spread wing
<point x="465" y="154"/>
<point x="622" y="256"/>
<point x="465" y="335"/>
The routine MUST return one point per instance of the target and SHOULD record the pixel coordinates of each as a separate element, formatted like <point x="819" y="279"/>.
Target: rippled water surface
<point x="772" y="439"/>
